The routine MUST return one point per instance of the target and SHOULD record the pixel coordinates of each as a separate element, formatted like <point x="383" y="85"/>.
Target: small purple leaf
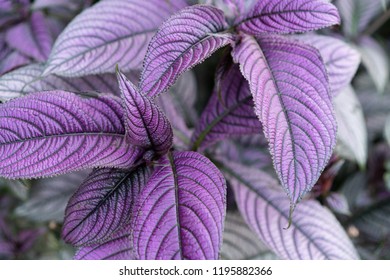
<point x="31" y="38"/>
<point x="286" y="16"/>
<point x="179" y="214"/>
<point x="184" y="40"/>
<point x="125" y="29"/>
<point x="116" y="247"/>
<point x="28" y="79"/>
<point x="12" y="60"/>
<point x="55" y="132"/>
<point x="289" y="84"/>
<point x="146" y="126"/>
<point x="338" y="203"/>
<point x="102" y="205"/>
<point x="341" y="60"/>
<point x="229" y="112"/>
<point x="314" y="232"/>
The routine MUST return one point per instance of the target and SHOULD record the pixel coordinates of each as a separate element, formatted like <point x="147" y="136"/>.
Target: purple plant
<point x="159" y="187"/>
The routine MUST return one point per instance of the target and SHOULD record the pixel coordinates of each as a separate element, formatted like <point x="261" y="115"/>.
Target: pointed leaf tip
<point x="146" y="125"/>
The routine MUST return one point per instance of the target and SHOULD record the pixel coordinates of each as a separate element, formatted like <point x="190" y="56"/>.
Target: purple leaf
<point x="338" y="203"/>
<point x="49" y="196"/>
<point x="314" y="232"/>
<point x="55" y="132"/>
<point x="228" y="113"/>
<point x="102" y="205"/>
<point x="12" y="60"/>
<point x="70" y="4"/>
<point x="146" y="126"/>
<point x="376" y="60"/>
<point x="32" y="38"/>
<point x="28" y="79"/>
<point x="125" y="29"/>
<point x="289" y="84"/>
<point x="179" y="214"/>
<point x="184" y="40"/>
<point x="116" y="247"/>
<point x="286" y="16"/>
<point x="341" y="60"/>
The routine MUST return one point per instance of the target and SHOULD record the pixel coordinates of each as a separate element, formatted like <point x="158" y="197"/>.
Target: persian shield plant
<point x="163" y="176"/>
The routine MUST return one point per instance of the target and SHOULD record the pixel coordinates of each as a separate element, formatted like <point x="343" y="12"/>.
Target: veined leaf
<point x="116" y="247"/>
<point x="179" y="214"/>
<point x="289" y="84"/>
<point x="102" y="205"/>
<point x="229" y="112"/>
<point x="184" y="40"/>
<point x="286" y="16"/>
<point x="125" y="29"/>
<point x="28" y="79"/>
<point x="31" y="38"/>
<point x="49" y="196"/>
<point x="11" y="60"/>
<point x="341" y="60"/>
<point x="338" y="203"/>
<point x="146" y="126"/>
<point x="55" y="132"/>
<point x="352" y="132"/>
<point x="314" y="232"/>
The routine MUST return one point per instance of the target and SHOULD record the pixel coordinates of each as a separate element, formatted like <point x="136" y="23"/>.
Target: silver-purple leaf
<point x="289" y="84"/>
<point x="179" y="214"/>
<point x="146" y="125"/>
<point x="116" y="247"/>
<point x="32" y="38"/>
<point x="229" y="112"/>
<point x="314" y="232"/>
<point x="28" y="79"/>
<point x="102" y="205"/>
<point x="11" y="60"/>
<point x="337" y="202"/>
<point x="49" y="196"/>
<point x="341" y="60"/>
<point x="125" y="29"/>
<point x="184" y="40"/>
<point x="286" y="16"/>
<point x="55" y="132"/>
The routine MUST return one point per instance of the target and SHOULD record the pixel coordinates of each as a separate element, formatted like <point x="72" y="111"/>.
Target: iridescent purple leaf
<point x="102" y="205"/>
<point x="49" y="196"/>
<point x="12" y="60"/>
<point x="341" y="60"/>
<point x="184" y="40"/>
<point x="70" y="4"/>
<point x="229" y="112"/>
<point x="146" y="126"/>
<point x="376" y="60"/>
<point x="179" y="214"/>
<point x="314" y="232"/>
<point x="286" y="16"/>
<point x="289" y="84"/>
<point x="352" y="132"/>
<point x="116" y="247"/>
<point x="32" y="38"/>
<point x="55" y="132"/>
<point x="28" y="79"/>
<point x="240" y="242"/>
<point x="125" y="29"/>
<point x="338" y="203"/>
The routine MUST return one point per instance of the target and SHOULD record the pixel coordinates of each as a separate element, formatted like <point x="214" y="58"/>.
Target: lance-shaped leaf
<point x="229" y="112"/>
<point x="240" y="242"/>
<point x="146" y="126"/>
<point x="55" y="132"/>
<point x="102" y="205"/>
<point x="184" y="40"/>
<point x="338" y="203"/>
<point x="116" y="247"/>
<point x="314" y="232"/>
<point x="31" y="38"/>
<point x="341" y="60"/>
<point x="125" y="29"/>
<point x="376" y="60"/>
<point x="28" y="79"/>
<point x="289" y="84"/>
<point x="286" y="16"/>
<point x="12" y="60"/>
<point x="179" y="214"/>
<point x="352" y="132"/>
<point x="49" y="196"/>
